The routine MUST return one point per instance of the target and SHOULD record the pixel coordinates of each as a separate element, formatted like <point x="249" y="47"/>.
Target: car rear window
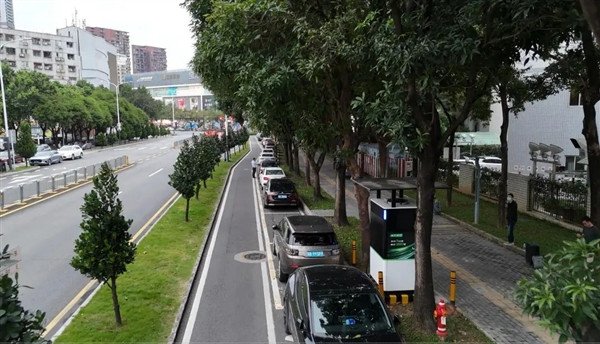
<point x="269" y="163"/>
<point x="313" y="239"/>
<point x="274" y="172"/>
<point x="282" y="186"/>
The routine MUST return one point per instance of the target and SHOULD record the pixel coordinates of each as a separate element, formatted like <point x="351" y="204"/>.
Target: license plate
<point x="282" y="196"/>
<point x="315" y="254"/>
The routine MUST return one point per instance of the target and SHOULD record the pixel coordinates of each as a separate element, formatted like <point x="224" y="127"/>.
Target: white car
<point x="71" y="152"/>
<point x="489" y="162"/>
<point x="270" y="173"/>
<point x="266" y="156"/>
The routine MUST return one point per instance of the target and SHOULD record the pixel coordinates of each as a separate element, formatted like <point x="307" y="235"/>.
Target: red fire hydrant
<point x="440" y="315"/>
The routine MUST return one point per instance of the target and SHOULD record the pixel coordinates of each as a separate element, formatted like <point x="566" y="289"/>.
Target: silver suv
<point x="302" y="241"/>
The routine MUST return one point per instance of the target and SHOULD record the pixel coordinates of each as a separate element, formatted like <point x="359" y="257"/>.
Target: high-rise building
<point x="148" y="59"/>
<point x="56" y="56"/>
<point x="7" y="18"/>
<point x="119" y="39"/>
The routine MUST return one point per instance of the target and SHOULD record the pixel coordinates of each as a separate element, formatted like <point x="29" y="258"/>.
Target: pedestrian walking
<point x="511" y="218"/>
<point x="589" y="232"/>
<point x="253" y="167"/>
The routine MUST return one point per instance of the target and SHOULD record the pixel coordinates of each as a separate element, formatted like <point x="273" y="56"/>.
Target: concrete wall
<point x="518" y="185"/>
<point x="465" y="179"/>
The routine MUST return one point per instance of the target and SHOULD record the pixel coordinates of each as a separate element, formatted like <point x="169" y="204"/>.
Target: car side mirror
<point x="275" y="227"/>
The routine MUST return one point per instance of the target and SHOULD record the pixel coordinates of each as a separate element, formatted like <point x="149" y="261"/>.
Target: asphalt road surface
<point x="44" y="234"/>
<point x="237" y="300"/>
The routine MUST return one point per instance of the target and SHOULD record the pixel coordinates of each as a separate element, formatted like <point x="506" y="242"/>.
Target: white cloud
<point x="160" y="23"/>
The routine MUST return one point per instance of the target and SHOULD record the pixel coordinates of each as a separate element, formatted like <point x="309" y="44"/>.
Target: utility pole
<point x="477" y="189"/>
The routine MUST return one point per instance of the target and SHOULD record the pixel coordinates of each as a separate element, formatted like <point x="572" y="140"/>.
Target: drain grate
<point x="251" y="257"/>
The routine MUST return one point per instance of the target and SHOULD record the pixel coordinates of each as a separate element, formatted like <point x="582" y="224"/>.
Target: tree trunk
<point x="503" y="182"/>
<point x="591" y="12"/>
<point x="187" y="210"/>
<point x="307" y="170"/>
<point x="424" y="302"/>
<point x="383" y="158"/>
<point x="339" y="214"/>
<point x="204" y="182"/>
<point x="197" y="190"/>
<point x="450" y="171"/>
<point x="115" y="300"/>
<point x="297" y="159"/>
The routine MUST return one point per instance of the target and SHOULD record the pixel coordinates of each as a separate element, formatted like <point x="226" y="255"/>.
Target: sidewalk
<point x="487" y="274"/>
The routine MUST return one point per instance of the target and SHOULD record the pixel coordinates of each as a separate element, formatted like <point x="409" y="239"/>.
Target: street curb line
<point x="184" y="305"/>
<point x="51" y="194"/>
<point x="16" y="173"/>
<point x="484" y="234"/>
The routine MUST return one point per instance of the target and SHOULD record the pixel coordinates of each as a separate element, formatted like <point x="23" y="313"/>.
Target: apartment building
<point x="7" y="18"/>
<point x="119" y="39"/>
<point x="56" y="56"/>
<point x="148" y="59"/>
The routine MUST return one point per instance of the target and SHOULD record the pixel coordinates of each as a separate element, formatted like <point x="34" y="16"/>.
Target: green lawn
<point x="306" y="192"/>
<point x="152" y="289"/>
<point x="548" y="235"/>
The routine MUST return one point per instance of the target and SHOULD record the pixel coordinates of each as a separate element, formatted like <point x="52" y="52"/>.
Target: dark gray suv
<point x="304" y="240"/>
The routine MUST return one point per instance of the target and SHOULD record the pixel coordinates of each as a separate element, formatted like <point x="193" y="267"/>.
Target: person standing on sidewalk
<point x="511" y="218"/>
<point x="253" y="167"/>
<point x="590" y="232"/>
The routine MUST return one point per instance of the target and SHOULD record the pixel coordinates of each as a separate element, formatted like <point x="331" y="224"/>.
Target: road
<point x="44" y="234"/>
<point x="234" y="301"/>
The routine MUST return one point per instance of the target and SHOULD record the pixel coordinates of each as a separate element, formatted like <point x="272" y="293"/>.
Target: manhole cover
<point x="250" y="257"/>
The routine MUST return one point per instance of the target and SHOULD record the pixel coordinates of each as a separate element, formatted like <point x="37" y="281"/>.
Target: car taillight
<point x="272" y="193"/>
<point x="265" y="178"/>
<point x="291" y="251"/>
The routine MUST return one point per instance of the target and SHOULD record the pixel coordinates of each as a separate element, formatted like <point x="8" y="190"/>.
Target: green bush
<point x="101" y="140"/>
<point x="111" y="138"/>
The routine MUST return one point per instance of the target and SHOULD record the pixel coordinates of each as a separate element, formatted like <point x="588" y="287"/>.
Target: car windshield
<point x="313" y="239"/>
<point x="66" y="148"/>
<point x="348" y="316"/>
<point x="269" y="163"/>
<point x="277" y="186"/>
<point x="44" y="153"/>
<point x="274" y="172"/>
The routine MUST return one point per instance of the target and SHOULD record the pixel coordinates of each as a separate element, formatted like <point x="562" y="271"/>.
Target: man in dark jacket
<point x="511" y="218"/>
<point x="590" y="232"/>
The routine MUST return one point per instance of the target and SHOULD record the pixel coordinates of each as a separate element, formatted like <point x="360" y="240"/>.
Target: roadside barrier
<point x="36" y="188"/>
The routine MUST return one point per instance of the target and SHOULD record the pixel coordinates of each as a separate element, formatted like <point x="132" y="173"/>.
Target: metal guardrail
<point x="36" y="188"/>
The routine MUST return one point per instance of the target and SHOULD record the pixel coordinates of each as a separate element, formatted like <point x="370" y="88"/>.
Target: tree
<point x="25" y="145"/>
<point x="104" y="248"/>
<point x="565" y="294"/>
<point x="184" y="178"/>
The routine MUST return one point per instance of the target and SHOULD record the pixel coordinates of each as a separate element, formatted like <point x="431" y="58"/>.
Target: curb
<point x="9" y="174"/>
<point x="484" y="234"/>
<point x="184" y="305"/>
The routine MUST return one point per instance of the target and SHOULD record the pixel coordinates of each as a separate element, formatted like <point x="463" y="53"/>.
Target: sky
<point x="159" y="23"/>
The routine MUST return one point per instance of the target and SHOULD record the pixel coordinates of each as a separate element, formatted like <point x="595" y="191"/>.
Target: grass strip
<point x="307" y="192"/>
<point x="152" y="289"/>
<point x="547" y="235"/>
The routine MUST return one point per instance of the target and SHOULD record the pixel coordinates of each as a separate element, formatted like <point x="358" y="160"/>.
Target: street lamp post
<point x="11" y="148"/>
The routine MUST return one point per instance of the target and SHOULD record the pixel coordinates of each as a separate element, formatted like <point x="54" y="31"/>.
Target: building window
<point x="11" y="51"/>
<point x="69" y="44"/>
<point x="71" y="78"/>
<point x="571" y="163"/>
<point x="72" y="69"/>
<point x="10" y="63"/>
<point x="24" y="64"/>
<point x="9" y="38"/>
<point x="37" y="66"/>
<point x="575" y="98"/>
<point x="70" y="56"/>
<point x="23" y="51"/>
<point x="45" y="41"/>
<point x="47" y="54"/>
<point x="35" y="41"/>
<point x="37" y="53"/>
<point x="47" y="66"/>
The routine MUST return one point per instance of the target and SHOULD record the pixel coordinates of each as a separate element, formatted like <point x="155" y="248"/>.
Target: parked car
<point x="269" y="173"/>
<point x="280" y="192"/>
<point x="489" y="162"/>
<point x="303" y="240"/>
<point x="89" y="145"/>
<point x="268" y="150"/>
<point x="46" y="158"/>
<point x="336" y="303"/>
<point x="259" y="137"/>
<point x="265" y="156"/>
<point x="43" y="147"/>
<point x="268" y="141"/>
<point x="4" y="157"/>
<point x="71" y="152"/>
<point x="266" y="163"/>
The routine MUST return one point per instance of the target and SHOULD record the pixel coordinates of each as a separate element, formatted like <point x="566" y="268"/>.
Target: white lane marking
<point x="263" y="269"/>
<point x="3" y="178"/>
<point x="155" y="172"/>
<point x="189" y="327"/>
<point x="23" y="178"/>
<point x="164" y="147"/>
<point x="271" y="264"/>
<point x="120" y="192"/>
<point x="142" y="148"/>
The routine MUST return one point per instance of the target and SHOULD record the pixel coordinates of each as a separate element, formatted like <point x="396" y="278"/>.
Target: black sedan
<point x="336" y="303"/>
<point x="46" y="158"/>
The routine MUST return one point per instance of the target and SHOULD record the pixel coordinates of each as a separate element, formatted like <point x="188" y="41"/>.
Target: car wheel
<point x="49" y="162"/>
<point x="73" y="157"/>
<point x="286" y="319"/>
<point x="274" y="248"/>
<point x="81" y="155"/>
<point x="281" y="276"/>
